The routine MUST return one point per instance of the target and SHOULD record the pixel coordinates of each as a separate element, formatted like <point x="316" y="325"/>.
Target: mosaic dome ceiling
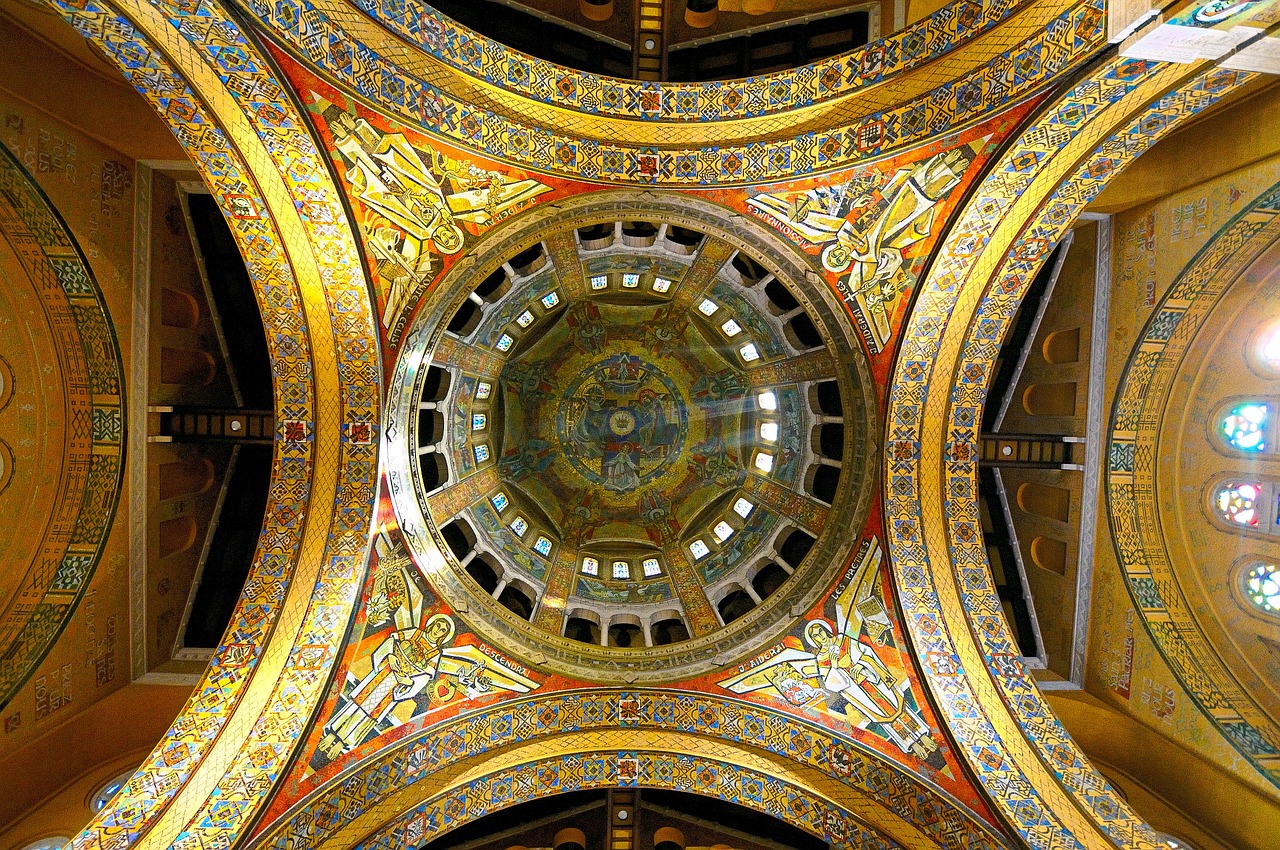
<point x="632" y="433"/>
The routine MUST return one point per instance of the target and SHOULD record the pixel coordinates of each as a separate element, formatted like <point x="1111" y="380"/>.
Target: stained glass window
<point x="590" y="566"/>
<point x="631" y="281"/>
<point x="621" y="570"/>
<point x="550" y="300"/>
<point x="743" y="508"/>
<point x="661" y="284"/>
<point x="499" y="502"/>
<point x="749" y="352"/>
<point x="1262" y="586"/>
<point x="651" y="567"/>
<point x="1269" y="348"/>
<point x="699" y="550"/>
<point x="504" y="342"/>
<point x="731" y="328"/>
<point x="1239" y="503"/>
<point x="1244" y="426"/>
<point x="542" y="546"/>
<point x="482" y="453"/>
<point x="524" y="319"/>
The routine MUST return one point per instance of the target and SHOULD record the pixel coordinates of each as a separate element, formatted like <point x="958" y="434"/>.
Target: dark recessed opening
<point x="769" y="579"/>
<point x="750" y="270"/>
<point x="796" y="547"/>
<point x="457" y="536"/>
<point x="594" y="232"/>
<point x="516" y="601"/>
<point x="582" y="630"/>
<point x="641" y="229"/>
<point x="829" y="402"/>
<point x="226" y="566"/>
<point x="684" y="236"/>
<point x="484" y="573"/>
<point x="435" y="385"/>
<point x="782" y="300"/>
<point x="734" y="605"/>
<point x="826" y="480"/>
<point x="625" y="635"/>
<point x="235" y="302"/>
<point x="433" y="469"/>
<point x="493" y="282"/>
<point x="805" y="332"/>
<point x="430" y="427"/>
<point x="669" y="631"/>
<point x="465" y="320"/>
<point x="526" y="261"/>
<point x="831" y="440"/>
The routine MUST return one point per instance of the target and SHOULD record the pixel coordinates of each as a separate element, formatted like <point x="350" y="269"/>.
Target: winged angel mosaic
<point x="418" y="205"/>
<point x="844" y="666"/>
<point x="413" y="668"/>
<point x="865" y="227"/>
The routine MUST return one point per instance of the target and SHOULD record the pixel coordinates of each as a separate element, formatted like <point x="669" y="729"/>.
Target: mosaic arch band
<point x="429" y="188"/>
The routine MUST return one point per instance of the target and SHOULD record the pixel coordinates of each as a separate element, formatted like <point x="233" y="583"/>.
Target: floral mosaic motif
<point x="1261" y="584"/>
<point x="1244" y="426"/>
<point x="94" y="442"/>
<point x="1063" y="42"/>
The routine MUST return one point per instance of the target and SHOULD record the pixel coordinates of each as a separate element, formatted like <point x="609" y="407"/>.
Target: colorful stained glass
<point x="1269" y="348"/>
<point x="1239" y="503"/>
<point x="661" y="284"/>
<point x="699" y="550"/>
<point x="504" y="342"/>
<point x="590" y="566"/>
<point x="499" y="501"/>
<point x="482" y="453"/>
<point x="1244" y="426"/>
<point x="600" y="281"/>
<point x="731" y="328"/>
<point x="651" y="567"/>
<point x="550" y="300"/>
<point x="524" y="319"/>
<point x="621" y="570"/>
<point x="542" y="546"/>
<point x="1262" y="586"/>
<point x="630" y="281"/>
<point x="749" y="352"/>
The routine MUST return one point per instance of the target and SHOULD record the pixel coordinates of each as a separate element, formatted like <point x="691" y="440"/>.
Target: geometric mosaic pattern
<point x="1037" y="52"/>
<point x="849" y="770"/>
<point x="287" y="218"/>
<point x="926" y="40"/>
<point x="93" y="444"/>
<point x="1131" y="490"/>
<point x="998" y="243"/>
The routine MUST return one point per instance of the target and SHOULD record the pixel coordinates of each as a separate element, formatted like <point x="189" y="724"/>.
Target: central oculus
<point x="621" y="422"/>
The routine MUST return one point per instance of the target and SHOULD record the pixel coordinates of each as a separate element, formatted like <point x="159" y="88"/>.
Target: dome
<point x="656" y="428"/>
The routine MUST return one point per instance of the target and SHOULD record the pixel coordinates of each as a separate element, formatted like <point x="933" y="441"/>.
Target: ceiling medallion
<point x="629" y="440"/>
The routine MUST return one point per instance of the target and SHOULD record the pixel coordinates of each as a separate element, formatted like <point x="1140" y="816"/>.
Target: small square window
<point x="743" y="508"/>
<point x="769" y="431"/>
<point x="482" y="452"/>
<point x="590" y="567"/>
<point x="600" y="281"/>
<point x="631" y="281"/>
<point x="723" y="531"/>
<point x="661" y="284"/>
<point x="768" y="400"/>
<point x="550" y="300"/>
<point x="542" y="546"/>
<point x="519" y="525"/>
<point x="749" y="352"/>
<point x="483" y="389"/>
<point x="731" y="328"/>
<point x="524" y="319"/>
<point x="707" y="307"/>
<point x="499" y="501"/>
<point x="505" y="342"/>
<point x="478" y="421"/>
<point x="699" y="550"/>
<point x="764" y="462"/>
<point x="651" y="567"/>
<point x="621" y="569"/>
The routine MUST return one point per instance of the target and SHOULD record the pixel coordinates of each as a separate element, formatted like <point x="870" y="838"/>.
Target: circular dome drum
<point x="628" y="440"/>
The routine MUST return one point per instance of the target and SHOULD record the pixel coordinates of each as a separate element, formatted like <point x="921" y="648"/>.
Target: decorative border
<point x="493" y="63"/>
<point x="1031" y="769"/>
<point x="968" y="95"/>
<point x="93" y="446"/>
<point x="1141" y="397"/>
<point x="254" y="150"/>
<point x="853" y="769"/>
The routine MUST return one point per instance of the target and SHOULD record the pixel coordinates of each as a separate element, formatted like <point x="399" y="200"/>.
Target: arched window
<point x="1260" y="584"/>
<point x="1263" y="351"/>
<point x="1244" y="504"/>
<point x="1248" y="426"/>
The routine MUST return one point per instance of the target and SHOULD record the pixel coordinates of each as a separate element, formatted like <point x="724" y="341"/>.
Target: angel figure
<point x="870" y="244"/>
<point x="415" y="655"/>
<point x="844" y="666"/>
